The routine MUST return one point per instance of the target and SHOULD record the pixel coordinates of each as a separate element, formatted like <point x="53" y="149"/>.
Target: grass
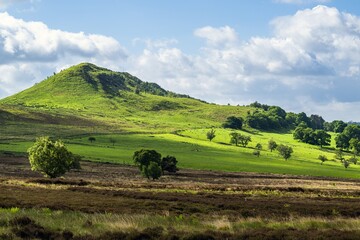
<point x="81" y="224"/>
<point x="193" y="151"/>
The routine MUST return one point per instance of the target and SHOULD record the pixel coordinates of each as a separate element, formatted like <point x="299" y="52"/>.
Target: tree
<point x="143" y="158"/>
<point x="210" y="134"/>
<point x="51" y="158"/>
<point x="244" y="140"/>
<point x="92" y="139"/>
<point x="339" y="155"/>
<point x="353" y="160"/>
<point x="322" y="158"/>
<point x="168" y="164"/>
<point x="355" y="146"/>
<point x="322" y="138"/>
<point x="258" y="146"/>
<point x="233" y="122"/>
<point x="284" y="151"/>
<point x="272" y="145"/>
<point x="234" y="138"/>
<point x="346" y="163"/>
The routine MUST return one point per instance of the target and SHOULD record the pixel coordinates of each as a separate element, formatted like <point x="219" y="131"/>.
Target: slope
<point x="87" y="98"/>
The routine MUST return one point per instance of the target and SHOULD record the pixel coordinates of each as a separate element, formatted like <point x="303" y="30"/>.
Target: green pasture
<point x="193" y="150"/>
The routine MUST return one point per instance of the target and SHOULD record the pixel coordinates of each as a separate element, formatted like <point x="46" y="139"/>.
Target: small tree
<point x="284" y="151"/>
<point x="339" y="155"/>
<point x="258" y="146"/>
<point x="272" y="145"/>
<point x="346" y="163"/>
<point x="210" y="134"/>
<point x="51" y="158"/>
<point x="353" y="160"/>
<point x="244" y="140"/>
<point x="168" y="164"/>
<point x="92" y="139"/>
<point x="322" y="158"/>
<point x="234" y="138"/>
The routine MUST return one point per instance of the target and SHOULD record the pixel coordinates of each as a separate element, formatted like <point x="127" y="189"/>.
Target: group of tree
<point x="152" y="165"/>
<point x="308" y="135"/>
<point x="238" y="138"/>
<point x="267" y="117"/>
<point x="233" y="123"/>
<point x="349" y="138"/>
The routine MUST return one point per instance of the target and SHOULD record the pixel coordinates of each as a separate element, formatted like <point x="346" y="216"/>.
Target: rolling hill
<point x="125" y="114"/>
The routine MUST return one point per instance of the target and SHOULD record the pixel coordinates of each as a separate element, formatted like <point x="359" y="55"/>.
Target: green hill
<point x="87" y="98"/>
<point x="125" y="114"/>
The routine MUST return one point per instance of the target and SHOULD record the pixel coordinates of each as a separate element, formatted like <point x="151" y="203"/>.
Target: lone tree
<point x="92" y="139"/>
<point x="234" y="138"/>
<point x="272" y="145"/>
<point x="210" y="134"/>
<point x="256" y="153"/>
<point x="322" y="158"/>
<point x="284" y="151"/>
<point x="51" y="158"/>
<point x="144" y="158"/>
<point x="258" y="146"/>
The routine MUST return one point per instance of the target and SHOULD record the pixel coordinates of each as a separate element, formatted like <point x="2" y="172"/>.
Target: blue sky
<point x="303" y="55"/>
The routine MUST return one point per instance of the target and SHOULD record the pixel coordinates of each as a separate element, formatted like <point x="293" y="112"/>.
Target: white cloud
<point x="29" y="51"/>
<point x="313" y="55"/>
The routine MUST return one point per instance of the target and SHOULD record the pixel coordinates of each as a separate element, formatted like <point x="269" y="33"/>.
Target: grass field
<point x="193" y="150"/>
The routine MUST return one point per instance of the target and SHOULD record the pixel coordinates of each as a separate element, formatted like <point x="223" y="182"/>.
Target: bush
<point x="322" y="158"/>
<point x="51" y="158"/>
<point x="153" y="171"/>
<point x="256" y="153"/>
<point x="168" y="164"/>
<point x="233" y="122"/>
<point x="210" y="135"/>
<point x="272" y="145"/>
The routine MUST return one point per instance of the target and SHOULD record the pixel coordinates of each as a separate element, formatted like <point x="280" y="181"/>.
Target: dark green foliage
<point x="267" y="117"/>
<point x="149" y="162"/>
<point x="346" y="163"/>
<point x="353" y="160"/>
<point x="152" y="171"/>
<point x="355" y="145"/>
<point x="234" y="138"/>
<point x="256" y="153"/>
<point x="210" y="135"/>
<point x="166" y="105"/>
<point x="92" y="139"/>
<point x="51" y="158"/>
<point x="317" y="122"/>
<point x="168" y="164"/>
<point x="322" y="158"/>
<point x="336" y="126"/>
<point x="233" y="122"/>
<point x="272" y="145"/>
<point x="314" y="137"/>
<point x="284" y="151"/>
<point x="350" y="132"/>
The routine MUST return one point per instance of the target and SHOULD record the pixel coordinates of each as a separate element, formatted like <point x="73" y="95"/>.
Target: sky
<point x="302" y="55"/>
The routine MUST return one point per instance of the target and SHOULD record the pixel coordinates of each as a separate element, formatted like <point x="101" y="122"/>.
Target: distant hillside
<point x="81" y="82"/>
<point x="87" y="98"/>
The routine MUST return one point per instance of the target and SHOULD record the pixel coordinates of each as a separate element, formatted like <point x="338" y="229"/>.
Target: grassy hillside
<point x="86" y="100"/>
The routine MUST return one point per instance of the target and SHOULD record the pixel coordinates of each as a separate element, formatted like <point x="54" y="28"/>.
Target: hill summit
<point x="84" y="81"/>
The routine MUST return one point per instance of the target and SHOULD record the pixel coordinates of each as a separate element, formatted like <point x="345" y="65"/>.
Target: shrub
<point x="322" y="158"/>
<point x="168" y="164"/>
<point x="153" y="171"/>
<point x="272" y="145"/>
<point x="51" y="158"/>
<point x="233" y="122"/>
<point x="146" y="160"/>
<point x="210" y="134"/>
<point x="256" y="153"/>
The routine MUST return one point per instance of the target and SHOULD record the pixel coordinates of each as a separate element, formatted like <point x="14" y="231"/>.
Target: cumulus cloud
<point x="29" y="51"/>
<point x="310" y="63"/>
